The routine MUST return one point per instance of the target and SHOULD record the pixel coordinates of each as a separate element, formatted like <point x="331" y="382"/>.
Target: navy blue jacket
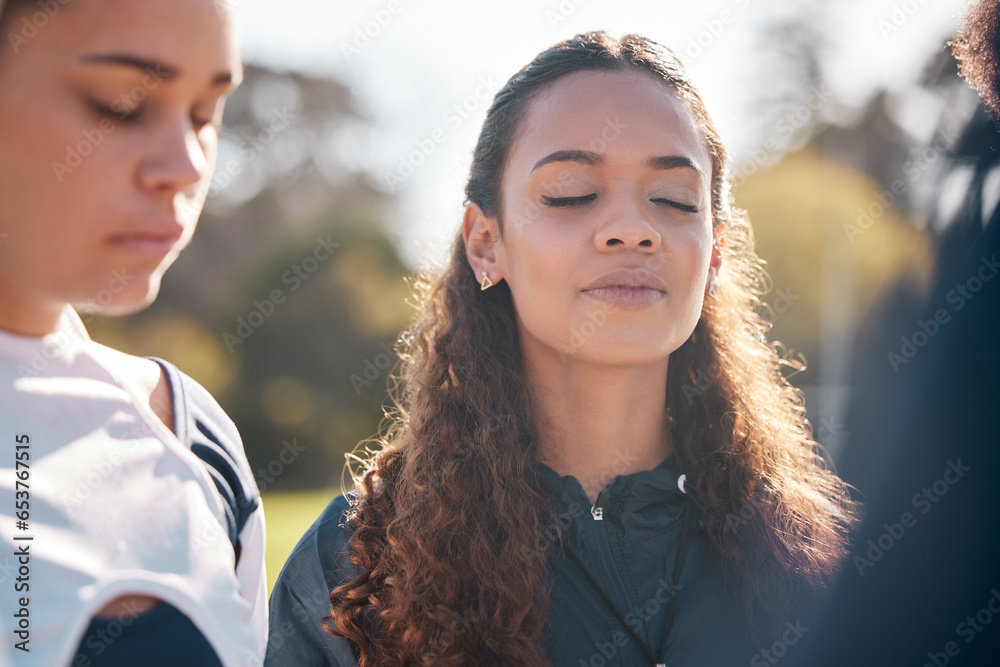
<point x="631" y="551"/>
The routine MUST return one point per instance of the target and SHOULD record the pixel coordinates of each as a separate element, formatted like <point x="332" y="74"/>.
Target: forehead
<point x="628" y="115"/>
<point x="193" y="35"/>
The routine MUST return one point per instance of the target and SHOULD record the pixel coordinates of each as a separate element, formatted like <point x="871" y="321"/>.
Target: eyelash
<point x="122" y="115"/>
<point x="558" y="202"/>
<point x="132" y="116"/>
<point x="687" y="208"/>
<point x="561" y="202"/>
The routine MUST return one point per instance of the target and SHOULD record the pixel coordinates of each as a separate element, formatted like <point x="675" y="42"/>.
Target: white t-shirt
<point x="114" y="504"/>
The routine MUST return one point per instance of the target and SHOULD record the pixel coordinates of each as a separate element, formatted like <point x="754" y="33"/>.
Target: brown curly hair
<point x="977" y="48"/>
<point x="449" y="510"/>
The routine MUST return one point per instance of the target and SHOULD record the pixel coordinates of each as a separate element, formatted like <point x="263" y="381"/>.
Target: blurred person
<point x="132" y="529"/>
<point x="596" y="458"/>
<point x="922" y="585"/>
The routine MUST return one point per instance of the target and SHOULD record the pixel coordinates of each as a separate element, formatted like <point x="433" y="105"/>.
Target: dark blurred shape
<point x="922" y="586"/>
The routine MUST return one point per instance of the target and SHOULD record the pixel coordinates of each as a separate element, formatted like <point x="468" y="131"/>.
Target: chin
<point x="619" y="354"/>
<point x="129" y="301"/>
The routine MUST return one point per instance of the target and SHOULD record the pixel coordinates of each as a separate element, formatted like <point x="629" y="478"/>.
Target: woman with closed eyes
<point x="141" y="526"/>
<point x="596" y="459"/>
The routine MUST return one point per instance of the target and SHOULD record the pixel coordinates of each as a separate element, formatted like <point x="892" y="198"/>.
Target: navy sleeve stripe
<point x="229" y="500"/>
<point x="240" y="504"/>
<point x="207" y="432"/>
<point x="202" y="425"/>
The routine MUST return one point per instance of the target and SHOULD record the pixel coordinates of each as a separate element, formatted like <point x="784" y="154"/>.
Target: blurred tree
<point x="809" y="208"/>
<point x="834" y="196"/>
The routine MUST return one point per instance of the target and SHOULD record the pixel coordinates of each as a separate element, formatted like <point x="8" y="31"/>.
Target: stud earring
<point x="486" y="283"/>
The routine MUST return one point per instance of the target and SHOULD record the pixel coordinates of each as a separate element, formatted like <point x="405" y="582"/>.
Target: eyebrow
<point x="162" y="71"/>
<point x="674" y="162"/>
<point x="590" y="158"/>
<point x="583" y="157"/>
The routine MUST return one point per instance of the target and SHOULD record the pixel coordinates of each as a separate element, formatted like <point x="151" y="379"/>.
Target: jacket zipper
<point x="604" y="542"/>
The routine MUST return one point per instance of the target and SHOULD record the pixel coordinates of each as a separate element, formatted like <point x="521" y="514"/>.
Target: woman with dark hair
<point x="131" y="520"/>
<point x="595" y="458"/>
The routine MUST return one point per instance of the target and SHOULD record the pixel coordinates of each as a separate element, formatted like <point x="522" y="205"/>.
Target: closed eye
<point x="687" y="208"/>
<point x="117" y="112"/>
<point x="568" y="201"/>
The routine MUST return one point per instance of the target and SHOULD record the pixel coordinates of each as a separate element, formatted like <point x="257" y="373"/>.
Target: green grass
<point x="288" y="516"/>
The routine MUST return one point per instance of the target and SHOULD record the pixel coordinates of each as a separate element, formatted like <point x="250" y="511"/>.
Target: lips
<point x="627" y="288"/>
<point x="625" y="279"/>
<point x="157" y="239"/>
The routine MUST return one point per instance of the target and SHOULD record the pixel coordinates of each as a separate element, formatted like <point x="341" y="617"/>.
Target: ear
<point x="483" y="245"/>
<point x="715" y="261"/>
<point x="718" y="240"/>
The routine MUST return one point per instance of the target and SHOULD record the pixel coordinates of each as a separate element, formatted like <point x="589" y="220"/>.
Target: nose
<point x="175" y="159"/>
<point x="627" y="228"/>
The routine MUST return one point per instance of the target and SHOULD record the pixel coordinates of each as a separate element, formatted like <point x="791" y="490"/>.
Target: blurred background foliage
<point x="805" y="210"/>
<point x="289" y="215"/>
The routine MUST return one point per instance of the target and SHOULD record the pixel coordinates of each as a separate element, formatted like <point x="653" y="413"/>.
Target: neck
<point x="596" y="422"/>
<point x="25" y="318"/>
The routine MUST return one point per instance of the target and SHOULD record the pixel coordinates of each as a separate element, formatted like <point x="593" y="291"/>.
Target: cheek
<point x="537" y="268"/>
<point x="54" y="163"/>
<point x="27" y="178"/>
<point x="40" y="214"/>
<point x="527" y="270"/>
<point x="692" y="250"/>
<point x="688" y="257"/>
<point x="545" y="246"/>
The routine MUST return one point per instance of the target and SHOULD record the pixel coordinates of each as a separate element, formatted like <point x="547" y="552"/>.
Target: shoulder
<point x="184" y="396"/>
<point x="319" y="559"/>
<point x="202" y="424"/>
<point x="300" y="600"/>
<point x="141" y="373"/>
<point x="201" y="410"/>
<point x="143" y="377"/>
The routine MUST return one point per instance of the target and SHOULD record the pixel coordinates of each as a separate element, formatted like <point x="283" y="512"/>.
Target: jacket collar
<point x="631" y="492"/>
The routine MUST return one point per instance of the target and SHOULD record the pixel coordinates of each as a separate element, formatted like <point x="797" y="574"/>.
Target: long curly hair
<point x="449" y="512"/>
